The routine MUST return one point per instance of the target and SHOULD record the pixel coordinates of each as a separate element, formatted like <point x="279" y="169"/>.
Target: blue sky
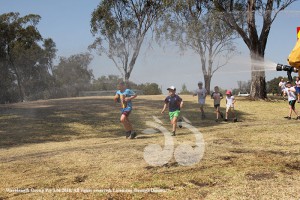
<point x="67" y="22"/>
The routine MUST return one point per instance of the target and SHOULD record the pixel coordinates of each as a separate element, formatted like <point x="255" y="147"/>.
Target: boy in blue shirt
<point x="124" y="96"/>
<point x="175" y="104"/>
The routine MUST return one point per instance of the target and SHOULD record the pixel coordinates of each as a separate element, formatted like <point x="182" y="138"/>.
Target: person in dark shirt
<point x="175" y="104"/>
<point x="217" y="96"/>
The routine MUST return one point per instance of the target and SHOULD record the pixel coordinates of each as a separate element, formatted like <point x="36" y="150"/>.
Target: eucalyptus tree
<point x="252" y="20"/>
<point x="193" y="25"/>
<point x="50" y="54"/>
<point x="72" y="74"/>
<point x="120" y="27"/>
<point x="21" y="56"/>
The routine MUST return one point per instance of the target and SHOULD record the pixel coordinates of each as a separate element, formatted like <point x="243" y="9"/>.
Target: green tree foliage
<point x="244" y="16"/>
<point x="72" y="74"/>
<point x="120" y="27"/>
<point x="194" y="25"/>
<point x="110" y="82"/>
<point x="22" y="59"/>
<point x="106" y="83"/>
<point x="50" y="54"/>
<point x="149" y="89"/>
<point x="184" y="90"/>
<point x="273" y="87"/>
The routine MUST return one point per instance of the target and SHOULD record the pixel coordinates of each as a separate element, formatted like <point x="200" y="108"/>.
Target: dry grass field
<point x="76" y="149"/>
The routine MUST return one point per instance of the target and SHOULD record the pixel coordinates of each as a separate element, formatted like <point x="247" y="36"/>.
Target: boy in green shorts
<point x="175" y="104"/>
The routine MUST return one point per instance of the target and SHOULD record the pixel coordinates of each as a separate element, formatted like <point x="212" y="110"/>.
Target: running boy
<point x="217" y="96"/>
<point x="290" y="92"/>
<point x="230" y="101"/>
<point x="201" y="92"/>
<point x="175" y="104"/>
<point x="124" y="96"/>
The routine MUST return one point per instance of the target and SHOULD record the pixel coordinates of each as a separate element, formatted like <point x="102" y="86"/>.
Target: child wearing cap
<point x="124" y="96"/>
<point x="230" y="101"/>
<point x="175" y="103"/>
<point x="201" y="92"/>
<point x="290" y="92"/>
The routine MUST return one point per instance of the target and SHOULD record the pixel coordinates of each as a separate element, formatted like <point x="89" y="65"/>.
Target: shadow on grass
<point x="58" y="120"/>
<point x="76" y="118"/>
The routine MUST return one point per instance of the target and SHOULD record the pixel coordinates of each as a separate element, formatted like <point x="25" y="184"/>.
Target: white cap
<point x="171" y="88"/>
<point x="200" y="83"/>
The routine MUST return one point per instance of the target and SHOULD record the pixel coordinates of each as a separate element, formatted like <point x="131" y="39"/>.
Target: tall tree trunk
<point x="19" y="83"/>
<point x="126" y="76"/>
<point x="207" y="80"/>
<point x="254" y="42"/>
<point x="21" y="92"/>
<point x="258" y="78"/>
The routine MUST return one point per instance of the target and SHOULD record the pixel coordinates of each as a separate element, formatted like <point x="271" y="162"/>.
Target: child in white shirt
<point x="201" y="92"/>
<point x="290" y="92"/>
<point x="230" y="100"/>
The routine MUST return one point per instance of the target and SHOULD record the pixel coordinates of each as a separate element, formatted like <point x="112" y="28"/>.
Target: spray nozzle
<point x="288" y="69"/>
<point x="281" y="67"/>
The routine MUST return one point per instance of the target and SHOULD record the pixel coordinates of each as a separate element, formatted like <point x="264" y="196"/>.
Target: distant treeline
<point x="110" y="82"/>
<point x="27" y="64"/>
<point x="28" y="71"/>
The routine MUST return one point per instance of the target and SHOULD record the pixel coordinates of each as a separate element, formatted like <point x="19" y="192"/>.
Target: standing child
<point x="201" y="92"/>
<point x="282" y="87"/>
<point x="124" y="96"/>
<point x="217" y="96"/>
<point x="290" y="92"/>
<point x="175" y="104"/>
<point x="230" y="101"/>
<point x="298" y="89"/>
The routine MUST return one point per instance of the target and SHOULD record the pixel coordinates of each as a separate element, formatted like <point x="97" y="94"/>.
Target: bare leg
<point x="227" y="112"/>
<point x="233" y="113"/>
<point x="126" y="123"/>
<point x="290" y="111"/>
<point x="217" y="111"/>
<point x="202" y="111"/>
<point x="220" y="113"/>
<point x="295" y="111"/>
<point x="174" y="123"/>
